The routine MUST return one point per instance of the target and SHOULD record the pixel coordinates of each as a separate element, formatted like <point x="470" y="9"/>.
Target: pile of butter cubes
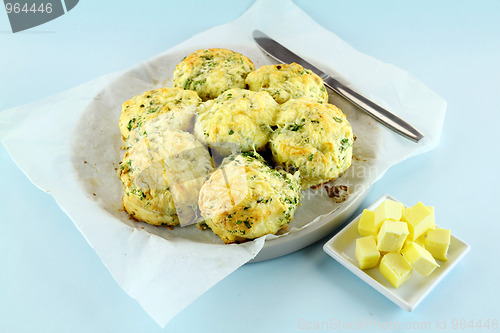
<point x="402" y="240"/>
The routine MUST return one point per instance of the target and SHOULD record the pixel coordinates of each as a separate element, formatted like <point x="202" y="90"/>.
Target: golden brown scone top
<point x="161" y="175"/>
<point x="287" y="81"/>
<point x="210" y="72"/>
<point x="313" y="138"/>
<point x="239" y="117"/>
<point x="246" y="199"/>
<point x="157" y="110"/>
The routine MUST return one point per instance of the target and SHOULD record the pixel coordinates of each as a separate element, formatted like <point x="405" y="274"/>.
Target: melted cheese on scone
<point x="246" y="199"/>
<point x="211" y="72"/>
<point x="287" y="81"/>
<point x="238" y="117"/>
<point x="161" y="176"/>
<point x="174" y="107"/>
<point x="313" y="138"/>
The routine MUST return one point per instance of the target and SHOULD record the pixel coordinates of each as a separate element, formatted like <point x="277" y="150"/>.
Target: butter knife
<point x="390" y="120"/>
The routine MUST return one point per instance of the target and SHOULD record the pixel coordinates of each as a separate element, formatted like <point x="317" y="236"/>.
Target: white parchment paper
<point x="68" y="145"/>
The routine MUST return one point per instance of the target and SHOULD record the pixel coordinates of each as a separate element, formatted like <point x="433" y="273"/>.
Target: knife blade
<point x="385" y="117"/>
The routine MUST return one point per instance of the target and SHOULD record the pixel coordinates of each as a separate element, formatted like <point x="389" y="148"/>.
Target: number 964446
<point x="17" y="8"/>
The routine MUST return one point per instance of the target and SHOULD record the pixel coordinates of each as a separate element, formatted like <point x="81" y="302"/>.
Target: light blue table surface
<point x="52" y="281"/>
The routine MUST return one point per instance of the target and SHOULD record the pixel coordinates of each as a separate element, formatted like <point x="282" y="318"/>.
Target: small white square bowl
<point x="342" y="247"/>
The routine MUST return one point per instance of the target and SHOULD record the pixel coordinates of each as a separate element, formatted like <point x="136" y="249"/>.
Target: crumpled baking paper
<point x="68" y="145"/>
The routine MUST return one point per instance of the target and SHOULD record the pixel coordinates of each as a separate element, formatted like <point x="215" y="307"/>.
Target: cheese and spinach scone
<point x="287" y="81"/>
<point x="210" y="72"/>
<point x="246" y="199"/>
<point x="161" y="176"/>
<point x="313" y="138"/>
<point x="156" y="111"/>
<point x="239" y="118"/>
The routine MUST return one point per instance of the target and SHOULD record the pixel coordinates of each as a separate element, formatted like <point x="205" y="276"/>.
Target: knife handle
<point x="380" y="114"/>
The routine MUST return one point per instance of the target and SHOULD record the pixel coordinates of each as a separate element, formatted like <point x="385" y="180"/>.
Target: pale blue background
<point x="52" y="281"/>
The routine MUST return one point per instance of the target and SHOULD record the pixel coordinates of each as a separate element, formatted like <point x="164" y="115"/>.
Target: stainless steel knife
<point x="393" y="122"/>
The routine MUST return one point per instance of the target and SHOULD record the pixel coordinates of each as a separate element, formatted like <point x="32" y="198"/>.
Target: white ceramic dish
<point x="342" y="246"/>
<point x="95" y="158"/>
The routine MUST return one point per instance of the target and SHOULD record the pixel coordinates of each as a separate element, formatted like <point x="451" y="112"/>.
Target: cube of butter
<point x="437" y="243"/>
<point x="419" y="258"/>
<point x="419" y="218"/>
<point x="366" y="252"/>
<point x="391" y="236"/>
<point x="366" y="224"/>
<point x="395" y="268"/>
<point x="388" y="210"/>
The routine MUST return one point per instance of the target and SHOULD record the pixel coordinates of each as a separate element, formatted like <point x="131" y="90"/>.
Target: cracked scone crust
<point x="246" y="199"/>
<point x="238" y="117"/>
<point x="210" y="72"/>
<point x="287" y="81"/>
<point x="156" y="111"/>
<point x="161" y="176"/>
<point x="313" y="138"/>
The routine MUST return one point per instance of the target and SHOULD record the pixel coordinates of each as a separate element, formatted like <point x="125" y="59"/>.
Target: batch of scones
<point x="194" y="152"/>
